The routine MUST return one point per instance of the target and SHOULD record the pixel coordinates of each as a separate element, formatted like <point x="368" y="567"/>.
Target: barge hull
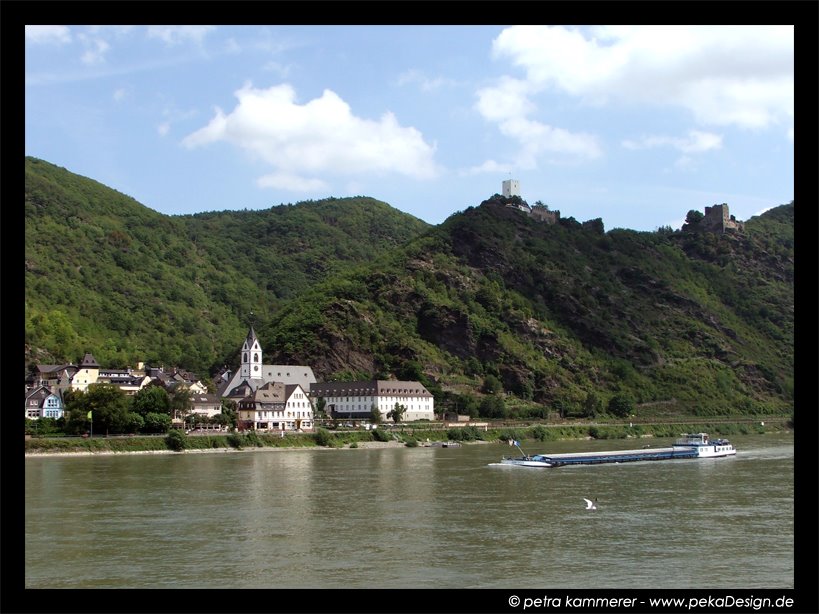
<point x="621" y="456"/>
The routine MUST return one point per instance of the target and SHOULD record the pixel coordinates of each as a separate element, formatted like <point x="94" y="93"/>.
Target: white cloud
<point x="695" y="142"/>
<point x="321" y="137"/>
<point x="276" y="67"/>
<point x="490" y="166"/>
<point x="95" y="49"/>
<point x="291" y="182"/>
<point x="507" y="100"/>
<point x="175" y="35"/>
<point x="231" y="46"/>
<point x="163" y="128"/>
<point x="427" y="84"/>
<point x="508" y="104"/>
<point x="48" y="34"/>
<point x="738" y="75"/>
<point x="119" y="94"/>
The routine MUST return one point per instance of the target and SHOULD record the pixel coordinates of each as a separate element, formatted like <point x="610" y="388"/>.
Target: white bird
<point x="590" y="505"/>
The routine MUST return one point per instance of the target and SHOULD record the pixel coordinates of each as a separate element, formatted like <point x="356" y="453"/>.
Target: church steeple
<point x="251" y="356"/>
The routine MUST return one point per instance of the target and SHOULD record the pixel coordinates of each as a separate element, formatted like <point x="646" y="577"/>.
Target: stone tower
<point x="719" y="219"/>
<point x="511" y="187"/>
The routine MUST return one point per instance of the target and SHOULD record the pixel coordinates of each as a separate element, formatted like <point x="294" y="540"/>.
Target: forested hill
<point x="564" y="315"/>
<point x="560" y="316"/>
<point x="108" y="275"/>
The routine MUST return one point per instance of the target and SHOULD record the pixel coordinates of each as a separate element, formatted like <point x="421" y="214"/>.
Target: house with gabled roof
<point x="87" y="373"/>
<point x="43" y="403"/>
<point x="53" y="377"/>
<point x="276" y="406"/>
<point x="207" y="405"/>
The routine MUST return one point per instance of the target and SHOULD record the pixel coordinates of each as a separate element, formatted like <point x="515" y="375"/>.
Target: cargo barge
<point x="696" y="445"/>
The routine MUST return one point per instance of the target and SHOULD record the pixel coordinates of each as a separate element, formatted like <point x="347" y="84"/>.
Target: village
<point x="279" y="398"/>
<point x="266" y="398"/>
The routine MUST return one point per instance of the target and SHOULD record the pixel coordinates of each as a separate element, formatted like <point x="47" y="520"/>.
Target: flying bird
<point x="590" y="505"/>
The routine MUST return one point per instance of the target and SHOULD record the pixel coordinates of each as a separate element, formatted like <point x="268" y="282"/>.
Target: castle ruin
<point x="718" y="219"/>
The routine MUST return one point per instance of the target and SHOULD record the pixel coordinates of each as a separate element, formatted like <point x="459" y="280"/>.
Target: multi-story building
<point x="355" y="400"/>
<point x="42" y="403"/>
<point x="276" y="406"/>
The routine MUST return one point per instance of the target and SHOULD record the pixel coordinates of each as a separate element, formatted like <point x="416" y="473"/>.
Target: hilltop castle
<point x="716" y="219"/>
<point x="510" y="197"/>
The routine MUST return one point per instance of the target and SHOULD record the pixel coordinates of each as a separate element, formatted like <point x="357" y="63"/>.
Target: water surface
<point x="411" y="518"/>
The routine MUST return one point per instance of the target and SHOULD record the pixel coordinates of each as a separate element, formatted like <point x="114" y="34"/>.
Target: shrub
<point x="381" y="435"/>
<point x="323" y="437"/>
<point x="539" y="432"/>
<point x="253" y="439"/>
<point x="509" y="435"/>
<point x="176" y="440"/>
<point x="467" y="433"/>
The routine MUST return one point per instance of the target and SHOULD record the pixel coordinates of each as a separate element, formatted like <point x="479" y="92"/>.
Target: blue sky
<point x="636" y="125"/>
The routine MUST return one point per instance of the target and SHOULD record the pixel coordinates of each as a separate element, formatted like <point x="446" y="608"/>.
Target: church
<point x="253" y="373"/>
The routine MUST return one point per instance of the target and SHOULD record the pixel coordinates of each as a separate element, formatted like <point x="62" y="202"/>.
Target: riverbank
<point x="363" y="445"/>
<point x="349" y="440"/>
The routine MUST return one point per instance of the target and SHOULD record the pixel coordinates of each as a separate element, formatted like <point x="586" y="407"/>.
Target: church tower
<point x="251" y="356"/>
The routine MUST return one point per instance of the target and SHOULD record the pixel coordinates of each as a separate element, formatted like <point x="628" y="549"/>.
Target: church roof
<point x="251" y="337"/>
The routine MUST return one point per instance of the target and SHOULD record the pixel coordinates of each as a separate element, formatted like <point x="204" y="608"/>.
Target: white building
<point x="355" y="400"/>
<point x="252" y="373"/>
<point x="511" y="187"/>
<point x="87" y="373"/>
<point x="275" y="406"/>
<point x="42" y="403"/>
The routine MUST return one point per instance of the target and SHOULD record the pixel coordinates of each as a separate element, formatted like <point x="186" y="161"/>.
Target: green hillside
<point x="490" y="308"/>
<point x="565" y="315"/>
<point x="108" y="275"/>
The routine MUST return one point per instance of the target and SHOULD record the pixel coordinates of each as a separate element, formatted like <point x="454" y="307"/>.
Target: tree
<point x="397" y="413"/>
<point x="693" y="218"/>
<point x="157" y="423"/>
<point x="592" y="406"/>
<point x="492" y="407"/>
<point x="560" y="407"/>
<point x="180" y="402"/>
<point x="108" y="406"/>
<point x="621" y="406"/>
<point x="491" y="385"/>
<point x="151" y="399"/>
<point x="321" y="403"/>
<point x="134" y="422"/>
<point x="375" y="414"/>
<point x="229" y="413"/>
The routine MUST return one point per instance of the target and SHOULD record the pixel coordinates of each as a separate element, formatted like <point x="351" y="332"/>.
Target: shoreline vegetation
<point x="400" y="436"/>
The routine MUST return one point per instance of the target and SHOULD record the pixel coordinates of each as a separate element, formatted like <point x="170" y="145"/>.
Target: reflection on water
<point x="412" y="517"/>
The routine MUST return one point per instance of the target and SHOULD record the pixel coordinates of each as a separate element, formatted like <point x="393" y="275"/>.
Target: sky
<point x="636" y="125"/>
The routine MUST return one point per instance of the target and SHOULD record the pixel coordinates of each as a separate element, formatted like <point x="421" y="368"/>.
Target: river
<point x="411" y="518"/>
